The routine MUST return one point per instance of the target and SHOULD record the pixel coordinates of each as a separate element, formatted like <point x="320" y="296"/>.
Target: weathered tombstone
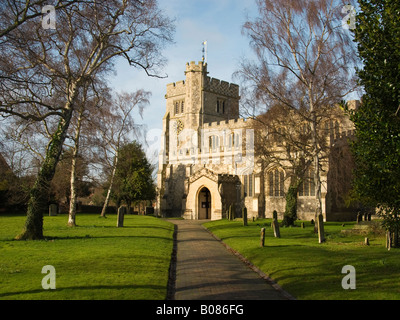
<point x="120" y="217"/>
<point x="359" y="217"/>
<point x="302" y="225"/>
<point x="321" y="233"/>
<point x="369" y="216"/>
<point x="232" y="212"/>
<point x="275" y="224"/>
<point x="388" y="240"/>
<point x="52" y="210"/>
<point x="244" y="215"/>
<point x="262" y="239"/>
<point x="366" y="241"/>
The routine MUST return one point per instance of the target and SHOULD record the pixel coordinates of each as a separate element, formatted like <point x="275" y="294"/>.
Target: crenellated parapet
<point x="231" y="123"/>
<point x="221" y="87"/>
<point x="176" y="89"/>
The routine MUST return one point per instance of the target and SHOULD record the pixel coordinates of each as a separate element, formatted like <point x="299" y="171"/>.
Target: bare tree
<point x="90" y="101"/>
<point x="50" y="68"/>
<point x="115" y="128"/>
<point x="16" y="12"/>
<point x="305" y="63"/>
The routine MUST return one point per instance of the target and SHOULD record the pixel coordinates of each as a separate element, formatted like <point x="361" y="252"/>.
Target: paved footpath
<point x="207" y="270"/>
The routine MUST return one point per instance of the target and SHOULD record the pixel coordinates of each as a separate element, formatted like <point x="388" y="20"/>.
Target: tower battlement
<point x="193" y="67"/>
<point x="221" y="87"/>
<point x="176" y="89"/>
<point x="232" y="123"/>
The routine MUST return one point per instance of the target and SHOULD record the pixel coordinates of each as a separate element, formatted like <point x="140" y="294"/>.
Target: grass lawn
<point x="309" y="270"/>
<point x="94" y="260"/>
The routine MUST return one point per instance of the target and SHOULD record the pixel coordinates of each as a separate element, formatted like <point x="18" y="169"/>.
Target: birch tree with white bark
<point x="117" y="127"/>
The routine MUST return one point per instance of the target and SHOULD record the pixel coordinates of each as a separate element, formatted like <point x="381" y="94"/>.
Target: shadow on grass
<point x="98" y="287"/>
<point x="55" y="238"/>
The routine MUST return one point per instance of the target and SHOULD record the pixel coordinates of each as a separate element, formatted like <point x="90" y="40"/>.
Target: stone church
<point x="207" y="160"/>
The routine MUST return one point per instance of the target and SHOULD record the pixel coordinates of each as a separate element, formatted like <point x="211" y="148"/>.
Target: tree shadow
<point x="95" y="287"/>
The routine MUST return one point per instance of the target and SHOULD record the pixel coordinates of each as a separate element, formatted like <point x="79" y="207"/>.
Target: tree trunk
<point x="37" y="204"/>
<point x="72" y="204"/>
<point x="317" y="178"/>
<point x="320" y="224"/>
<point x="103" y="211"/>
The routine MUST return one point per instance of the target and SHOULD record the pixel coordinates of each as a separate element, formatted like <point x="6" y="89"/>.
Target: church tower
<point x="191" y="106"/>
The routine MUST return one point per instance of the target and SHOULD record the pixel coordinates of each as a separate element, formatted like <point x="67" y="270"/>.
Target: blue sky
<point x="217" y="21"/>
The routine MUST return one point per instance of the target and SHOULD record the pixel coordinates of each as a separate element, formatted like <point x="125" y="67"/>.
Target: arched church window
<point x="214" y="142"/>
<point x="236" y="140"/>
<point x="307" y="187"/>
<point x="276" y="183"/>
<point x="248" y="185"/>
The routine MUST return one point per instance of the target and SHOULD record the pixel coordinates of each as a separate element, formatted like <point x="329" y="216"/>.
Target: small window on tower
<point x="220" y="106"/>
<point x="176" y="107"/>
<point x="182" y="106"/>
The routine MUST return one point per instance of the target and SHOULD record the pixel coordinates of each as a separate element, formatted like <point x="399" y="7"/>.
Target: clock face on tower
<point x="178" y="126"/>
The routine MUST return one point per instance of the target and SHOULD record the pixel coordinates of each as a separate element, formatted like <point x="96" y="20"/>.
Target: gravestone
<point x="231" y="212"/>
<point x="388" y="240"/>
<point x="321" y="233"/>
<point x="244" y="215"/>
<point x="262" y="239"/>
<point x="359" y="217"/>
<point x="120" y="217"/>
<point x="52" y="210"/>
<point x="275" y="225"/>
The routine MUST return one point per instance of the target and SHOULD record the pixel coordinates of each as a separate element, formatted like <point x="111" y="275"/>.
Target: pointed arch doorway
<point x="204" y="203"/>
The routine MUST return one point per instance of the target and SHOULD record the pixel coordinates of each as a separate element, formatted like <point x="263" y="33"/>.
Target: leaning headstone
<point x="275" y="225"/>
<point x="359" y="217"/>
<point x="366" y="241"/>
<point x="262" y="239"/>
<point x="232" y="212"/>
<point x="120" y="217"/>
<point x="53" y="210"/>
<point x="321" y="233"/>
<point x="244" y="215"/>
<point x="302" y="225"/>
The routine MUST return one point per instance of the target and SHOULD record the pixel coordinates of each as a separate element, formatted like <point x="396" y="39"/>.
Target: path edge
<point x="172" y="268"/>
